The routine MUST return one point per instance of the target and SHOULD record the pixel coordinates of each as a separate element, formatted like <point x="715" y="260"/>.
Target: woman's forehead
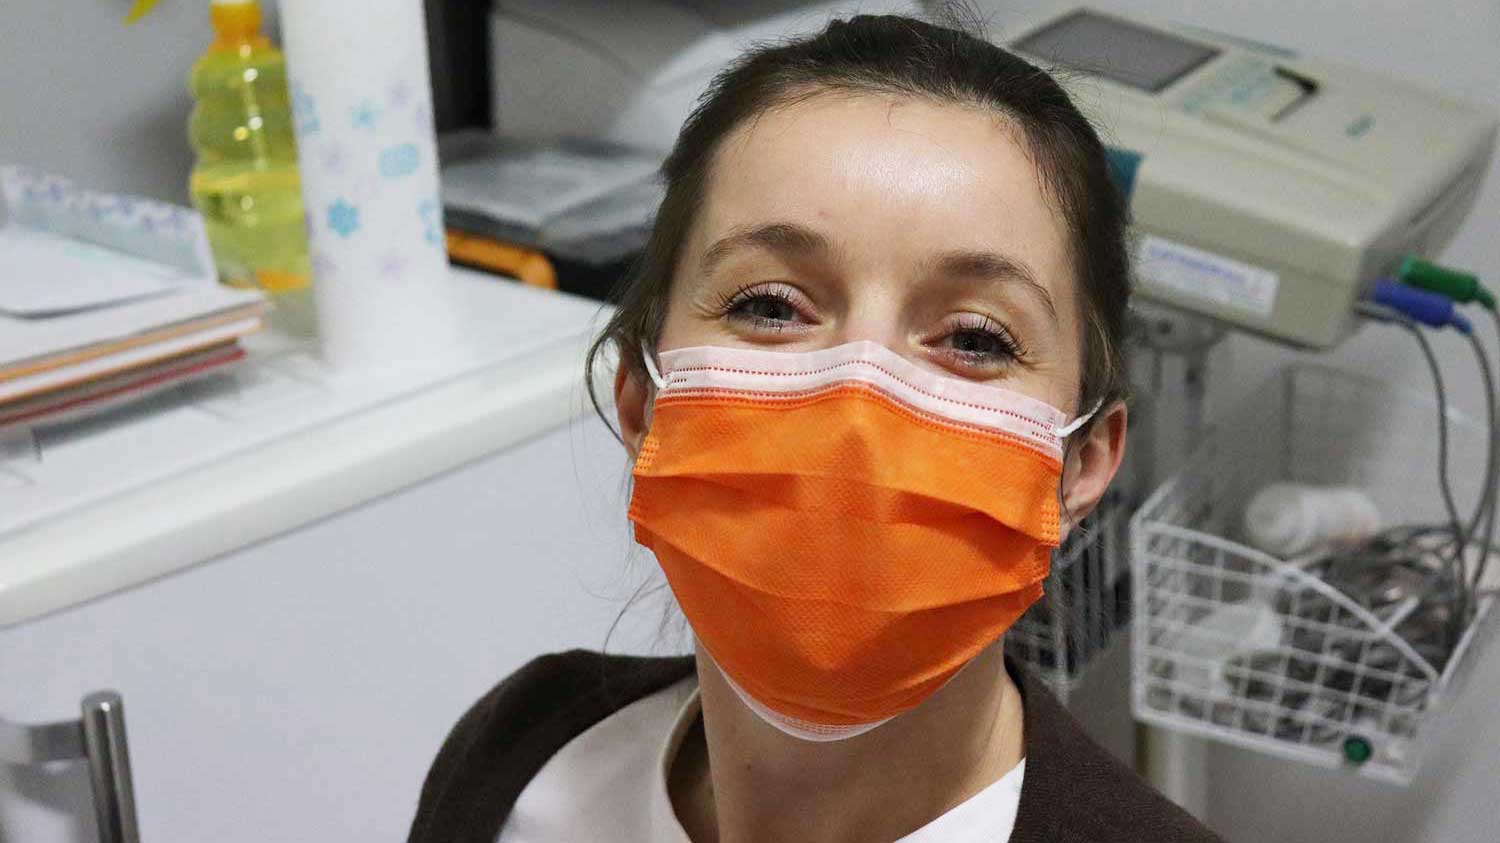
<point x="888" y="180"/>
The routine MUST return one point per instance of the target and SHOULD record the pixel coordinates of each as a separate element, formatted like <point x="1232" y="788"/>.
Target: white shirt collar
<point x="664" y="823"/>
<point x="988" y="815"/>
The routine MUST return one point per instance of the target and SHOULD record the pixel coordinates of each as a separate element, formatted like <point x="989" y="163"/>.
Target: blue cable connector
<point x="1420" y="305"/>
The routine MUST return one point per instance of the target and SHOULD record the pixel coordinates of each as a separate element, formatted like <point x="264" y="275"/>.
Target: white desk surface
<point x="105" y="504"/>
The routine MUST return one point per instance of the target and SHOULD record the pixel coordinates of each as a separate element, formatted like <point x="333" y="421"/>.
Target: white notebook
<point x="36" y="343"/>
<point x="92" y="284"/>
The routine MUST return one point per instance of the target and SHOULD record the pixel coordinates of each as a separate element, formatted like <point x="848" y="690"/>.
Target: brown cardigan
<point x="1073" y="790"/>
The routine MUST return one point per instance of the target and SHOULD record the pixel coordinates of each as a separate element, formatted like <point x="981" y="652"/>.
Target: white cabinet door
<point x="298" y="689"/>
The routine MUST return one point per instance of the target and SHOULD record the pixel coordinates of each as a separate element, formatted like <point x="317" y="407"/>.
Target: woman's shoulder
<point x="1076" y="791"/>
<point x="498" y="746"/>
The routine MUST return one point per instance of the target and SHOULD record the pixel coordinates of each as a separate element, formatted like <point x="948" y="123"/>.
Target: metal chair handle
<point x="97" y="737"/>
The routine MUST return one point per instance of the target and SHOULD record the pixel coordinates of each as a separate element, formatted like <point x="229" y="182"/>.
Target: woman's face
<point x="920" y="226"/>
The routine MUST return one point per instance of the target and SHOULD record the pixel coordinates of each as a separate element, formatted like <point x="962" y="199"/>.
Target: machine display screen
<point x="1115" y="49"/>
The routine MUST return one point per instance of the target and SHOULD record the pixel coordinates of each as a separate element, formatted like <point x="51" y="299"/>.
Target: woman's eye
<point x="766" y="308"/>
<point x="981" y="342"/>
<point x="977" y="342"/>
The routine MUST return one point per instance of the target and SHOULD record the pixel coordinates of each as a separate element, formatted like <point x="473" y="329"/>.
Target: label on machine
<point x="1203" y="275"/>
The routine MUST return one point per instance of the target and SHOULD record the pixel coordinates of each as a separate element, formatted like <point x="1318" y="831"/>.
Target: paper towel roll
<point x="362" y="109"/>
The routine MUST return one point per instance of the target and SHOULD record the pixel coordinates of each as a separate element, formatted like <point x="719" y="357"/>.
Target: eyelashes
<point x="968" y="342"/>
<point x="981" y="339"/>
<point x="765" y="306"/>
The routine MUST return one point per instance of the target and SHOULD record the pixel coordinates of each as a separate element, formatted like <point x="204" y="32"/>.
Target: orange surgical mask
<point x="844" y="529"/>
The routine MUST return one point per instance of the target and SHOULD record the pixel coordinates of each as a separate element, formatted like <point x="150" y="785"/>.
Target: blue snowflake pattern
<point x="364" y="116"/>
<point x="304" y="112"/>
<point x="343" y="218"/>
<point x="397" y="161"/>
<point x="432" y="220"/>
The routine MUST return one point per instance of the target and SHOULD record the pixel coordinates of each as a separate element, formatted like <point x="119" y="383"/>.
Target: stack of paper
<point x="104" y="299"/>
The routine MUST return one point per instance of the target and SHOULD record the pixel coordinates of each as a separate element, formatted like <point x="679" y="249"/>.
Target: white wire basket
<point x="1085" y="600"/>
<point x="1266" y="653"/>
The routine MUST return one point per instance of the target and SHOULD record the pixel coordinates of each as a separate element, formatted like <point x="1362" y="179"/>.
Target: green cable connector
<point x="1357" y="750"/>
<point x="1459" y="286"/>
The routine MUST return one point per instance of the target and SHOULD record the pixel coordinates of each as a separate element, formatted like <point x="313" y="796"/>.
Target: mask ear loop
<point x="1063" y="433"/>
<point x="1072" y="427"/>
<point x="651" y="370"/>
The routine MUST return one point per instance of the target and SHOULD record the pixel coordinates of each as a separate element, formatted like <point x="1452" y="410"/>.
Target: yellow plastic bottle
<point x="245" y="180"/>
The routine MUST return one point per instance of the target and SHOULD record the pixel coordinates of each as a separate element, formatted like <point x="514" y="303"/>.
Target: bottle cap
<point x="235" y="22"/>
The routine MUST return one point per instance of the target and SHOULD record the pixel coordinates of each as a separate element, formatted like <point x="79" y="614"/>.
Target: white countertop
<point x="105" y="504"/>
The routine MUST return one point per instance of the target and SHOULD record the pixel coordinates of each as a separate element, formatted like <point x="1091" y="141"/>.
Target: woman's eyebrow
<point x="783" y="238"/>
<point x="990" y="266"/>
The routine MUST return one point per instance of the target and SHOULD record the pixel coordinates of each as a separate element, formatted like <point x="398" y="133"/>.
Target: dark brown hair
<point x="898" y="56"/>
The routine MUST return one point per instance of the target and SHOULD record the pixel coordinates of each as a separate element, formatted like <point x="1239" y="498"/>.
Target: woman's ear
<point x="1091" y="464"/>
<point x="631" y="395"/>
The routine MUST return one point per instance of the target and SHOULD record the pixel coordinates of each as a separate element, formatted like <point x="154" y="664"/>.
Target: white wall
<point x="106" y="104"/>
<point x="1453" y="46"/>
